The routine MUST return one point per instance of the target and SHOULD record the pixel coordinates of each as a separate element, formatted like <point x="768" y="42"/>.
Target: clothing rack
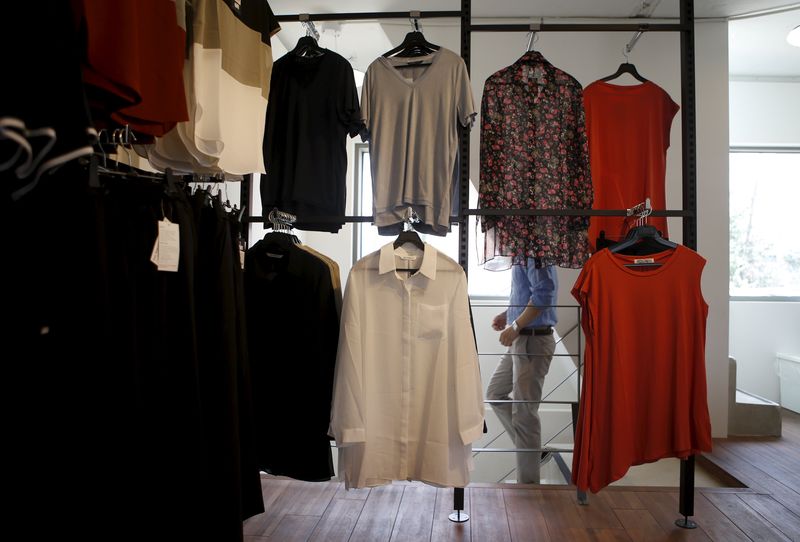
<point x="688" y="212"/>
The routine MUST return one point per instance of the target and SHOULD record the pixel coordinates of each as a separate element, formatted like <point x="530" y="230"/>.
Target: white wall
<point x="765" y="113"/>
<point x="759" y="330"/>
<point x="711" y="44"/>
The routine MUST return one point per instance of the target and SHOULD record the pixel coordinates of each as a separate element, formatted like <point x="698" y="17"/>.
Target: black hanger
<point x="308" y="47"/>
<point x="642" y="240"/>
<point x="409" y="236"/>
<point x="625" y="67"/>
<point x="276" y="244"/>
<point x="414" y="45"/>
<point x="172" y="188"/>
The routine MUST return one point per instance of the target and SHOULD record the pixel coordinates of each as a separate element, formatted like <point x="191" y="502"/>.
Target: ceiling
<point x="757" y="45"/>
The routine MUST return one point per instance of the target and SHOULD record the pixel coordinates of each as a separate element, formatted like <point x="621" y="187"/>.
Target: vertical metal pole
<point x="458" y="515"/>
<point x="689" y="147"/>
<point x="686" y="495"/>
<point x="582" y="497"/>
<point x="688" y="124"/>
<point x="245" y="189"/>
<point x="463" y="152"/>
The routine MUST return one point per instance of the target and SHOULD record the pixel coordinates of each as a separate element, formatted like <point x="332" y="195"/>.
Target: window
<point x="764" y="240"/>
<point x="482" y="283"/>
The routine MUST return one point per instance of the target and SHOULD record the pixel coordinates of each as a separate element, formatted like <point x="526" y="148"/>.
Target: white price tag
<point x="169" y="245"/>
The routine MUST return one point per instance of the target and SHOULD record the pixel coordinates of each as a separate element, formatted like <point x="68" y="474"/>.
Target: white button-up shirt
<point x="407" y="401"/>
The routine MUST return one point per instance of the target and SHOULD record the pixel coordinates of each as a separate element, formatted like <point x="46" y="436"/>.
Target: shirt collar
<point x="535" y="58"/>
<point x="428" y="267"/>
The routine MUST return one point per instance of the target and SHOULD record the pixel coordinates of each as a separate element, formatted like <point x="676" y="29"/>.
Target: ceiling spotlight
<point x="794" y="37"/>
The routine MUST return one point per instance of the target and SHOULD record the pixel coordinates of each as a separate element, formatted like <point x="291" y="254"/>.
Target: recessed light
<point x="794" y="37"/>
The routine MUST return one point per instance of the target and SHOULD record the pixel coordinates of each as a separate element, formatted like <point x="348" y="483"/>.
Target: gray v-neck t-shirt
<point x="411" y="116"/>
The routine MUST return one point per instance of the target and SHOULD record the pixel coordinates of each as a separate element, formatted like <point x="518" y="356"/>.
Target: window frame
<point x="758" y="149"/>
<point x="361" y="149"/>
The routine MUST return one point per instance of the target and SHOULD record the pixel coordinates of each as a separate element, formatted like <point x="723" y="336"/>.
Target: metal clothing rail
<point x="366" y="16"/>
<point x="578" y="27"/>
<point x="456" y="219"/>
<point x="688" y="141"/>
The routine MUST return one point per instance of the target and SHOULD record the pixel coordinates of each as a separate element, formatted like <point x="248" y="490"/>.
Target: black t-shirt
<point x="313" y="105"/>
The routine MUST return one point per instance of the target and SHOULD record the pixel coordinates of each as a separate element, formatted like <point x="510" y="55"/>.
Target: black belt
<point x="536" y="331"/>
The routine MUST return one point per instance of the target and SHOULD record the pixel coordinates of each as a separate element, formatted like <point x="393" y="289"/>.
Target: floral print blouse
<point x="534" y="155"/>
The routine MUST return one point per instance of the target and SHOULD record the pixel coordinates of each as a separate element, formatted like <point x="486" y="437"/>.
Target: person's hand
<point x="507" y="336"/>
<point x="499" y="322"/>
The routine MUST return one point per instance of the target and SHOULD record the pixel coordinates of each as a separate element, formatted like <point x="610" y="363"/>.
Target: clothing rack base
<point x="458" y="515"/>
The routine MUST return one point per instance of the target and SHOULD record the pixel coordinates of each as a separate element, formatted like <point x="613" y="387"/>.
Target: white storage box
<point x="789" y="374"/>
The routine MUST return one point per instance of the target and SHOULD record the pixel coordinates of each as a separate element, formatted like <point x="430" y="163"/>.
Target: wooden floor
<point x="767" y="509"/>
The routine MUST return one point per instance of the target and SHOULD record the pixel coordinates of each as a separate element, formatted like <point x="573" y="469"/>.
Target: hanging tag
<point x="154" y="253"/>
<point x="242" y="252"/>
<point x="169" y="245"/>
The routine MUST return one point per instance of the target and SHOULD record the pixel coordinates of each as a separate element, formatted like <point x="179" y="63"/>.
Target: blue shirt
<point x="536" y="286"/>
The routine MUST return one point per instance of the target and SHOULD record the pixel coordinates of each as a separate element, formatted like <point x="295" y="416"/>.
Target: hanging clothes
<point x="644" y="387"/>
<point x="534" y="155"/>
<point x="234" y="485"/>
<point x="407" y="403"/>
<point x="313" y="107"/>
<point x="628" y="129"/>
<point x="41" y="129"/>
<point x="137" y="80"/>
<point x="293" y="326"/>
<point x="122" y="368"/>
<point x="412" y="117"/>
<point x="227" y="76"/>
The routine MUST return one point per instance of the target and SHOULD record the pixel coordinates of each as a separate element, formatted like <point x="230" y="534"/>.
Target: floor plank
<point x="664" y="509"/>
<point x="378" y="515"/>
<point x="597" y="515"/>
<point x="525" y="519"/>
<point x="619" y="500"/>
<point x="312" y="499"/>
<point x="777" y="458"/>
<point x="755" y="478"/>
<point x="355" y="494"/>
<point x="714" y="523"/>
<point x="445" y="530"/>
<point x="339" y="520"/>
<point x="583" y="534"/>
<point x="747" y="519"/>
<point x="488" y="517"/>
<point x="415" y="516"/>
<point x="560" y="512"/>
<point x="777" y="514"/>
<point x="294" y="528"/>
<point x="278" y="499"/>
<point x="640" y="525"/>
